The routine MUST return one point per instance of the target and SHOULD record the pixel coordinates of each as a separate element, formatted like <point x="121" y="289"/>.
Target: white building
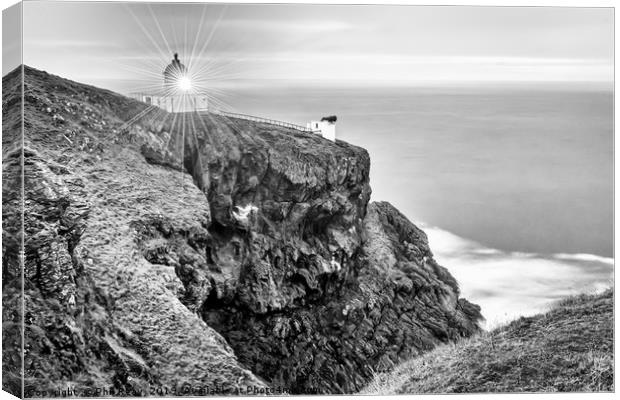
<point x="327" y="129"/>
<point x="174" y="103"/>
<point x="176" y="94"/>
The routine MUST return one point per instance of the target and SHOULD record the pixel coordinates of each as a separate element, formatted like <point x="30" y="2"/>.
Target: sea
<point x="513" y="184"/>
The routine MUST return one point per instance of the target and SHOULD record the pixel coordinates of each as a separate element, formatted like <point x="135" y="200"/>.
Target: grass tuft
<point x="567" y="349"/>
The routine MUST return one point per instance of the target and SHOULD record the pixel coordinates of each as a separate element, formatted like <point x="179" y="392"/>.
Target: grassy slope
<point x="569" y="348"/>
<point x="139" y="319"/>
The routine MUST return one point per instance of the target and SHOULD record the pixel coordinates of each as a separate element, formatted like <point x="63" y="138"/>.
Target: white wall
<point x="177" y="103"/>
<point x="324" y="128"/>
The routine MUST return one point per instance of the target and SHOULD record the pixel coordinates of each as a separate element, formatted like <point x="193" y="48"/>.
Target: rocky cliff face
<point x="205" y="250"/>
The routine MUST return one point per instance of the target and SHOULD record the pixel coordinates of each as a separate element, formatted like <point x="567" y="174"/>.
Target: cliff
<point x="567" y="349"/>
<point x="204" y="250"/>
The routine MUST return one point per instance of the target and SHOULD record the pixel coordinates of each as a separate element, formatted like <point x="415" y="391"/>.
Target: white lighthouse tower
<point x="178" y="93"/>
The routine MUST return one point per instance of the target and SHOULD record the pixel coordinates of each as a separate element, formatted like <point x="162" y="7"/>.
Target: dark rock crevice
<point x="312" y="291"/>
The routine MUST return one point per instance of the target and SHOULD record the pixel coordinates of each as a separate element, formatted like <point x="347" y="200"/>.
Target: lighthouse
<point x="178" y="92"/>
<point x="176" y="77"/>
<point x="326" y="127"/>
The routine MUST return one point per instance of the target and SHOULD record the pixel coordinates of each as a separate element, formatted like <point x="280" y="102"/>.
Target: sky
<point x="123" y="47"/>
<point x="11" y="34"/>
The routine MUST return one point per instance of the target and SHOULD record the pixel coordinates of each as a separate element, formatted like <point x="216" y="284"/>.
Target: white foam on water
<point x="511" y="284"/>
<point x="584" y="257"/>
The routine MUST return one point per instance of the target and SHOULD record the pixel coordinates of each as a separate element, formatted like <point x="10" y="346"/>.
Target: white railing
<point x="226" y="114"/>
<point x="258" y="119"/>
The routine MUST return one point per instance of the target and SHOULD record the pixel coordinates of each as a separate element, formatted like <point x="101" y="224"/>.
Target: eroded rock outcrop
<point x="395" y="302"/>
<point x="286" y="207"/>
<point x="197" y="249"/>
